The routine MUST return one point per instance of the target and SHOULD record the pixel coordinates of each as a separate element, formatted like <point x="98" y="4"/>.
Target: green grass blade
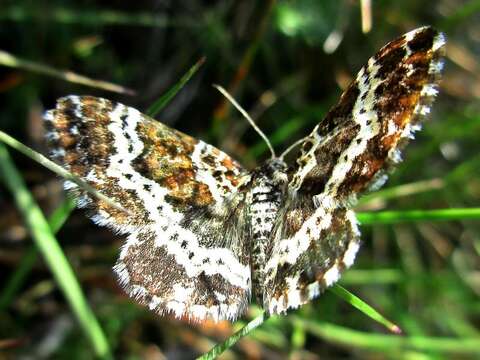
<point x="358" y="303"/>
<point x="16" y="280"/>
<point x="98" y="17"/>
<point x="392" y="344"/>
<point x="42" y="160"/>
<point x="23" y="269"/>
<point x="373" y="277"/>
<point x="170" y="94"/>
<point x="393" y="217"/>
<point x="53" y="255"/>
<point x="10" y="60"/>
<point x="220" y="348"/>
<point x="61" y="214"/>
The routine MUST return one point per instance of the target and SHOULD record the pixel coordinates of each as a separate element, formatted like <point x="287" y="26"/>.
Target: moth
<point x="204" y="234"/>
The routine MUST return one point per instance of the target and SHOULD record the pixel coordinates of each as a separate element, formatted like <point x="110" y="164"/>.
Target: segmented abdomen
<point x="265" y="202"/>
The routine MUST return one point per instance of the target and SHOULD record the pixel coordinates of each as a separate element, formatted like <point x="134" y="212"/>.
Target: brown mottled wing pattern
<point x="184" y="252"/>
<point x="347" y="154"/>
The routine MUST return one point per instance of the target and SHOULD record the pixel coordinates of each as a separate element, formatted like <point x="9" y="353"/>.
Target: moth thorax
<point x="266" y="198"/>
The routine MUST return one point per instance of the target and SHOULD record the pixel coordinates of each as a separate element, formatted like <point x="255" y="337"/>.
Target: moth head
<point x="276" y="169"/>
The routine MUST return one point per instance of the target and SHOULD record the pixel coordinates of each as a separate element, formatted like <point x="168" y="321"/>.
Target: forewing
<point x="348" y="153"/>
<point x="183" y="252"/>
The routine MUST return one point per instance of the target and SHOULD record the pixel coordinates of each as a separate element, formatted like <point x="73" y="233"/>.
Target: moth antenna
<point x="290" y="148"/>
<point x="246" y="116"/>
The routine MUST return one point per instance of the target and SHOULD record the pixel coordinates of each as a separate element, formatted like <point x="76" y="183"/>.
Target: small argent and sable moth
<point x="203" y="233"/>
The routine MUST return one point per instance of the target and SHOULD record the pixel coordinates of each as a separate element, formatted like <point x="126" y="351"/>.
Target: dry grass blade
<point x="10" y="60"/>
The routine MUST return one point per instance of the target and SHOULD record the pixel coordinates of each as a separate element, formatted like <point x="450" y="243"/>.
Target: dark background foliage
<point x="281" y="62"/>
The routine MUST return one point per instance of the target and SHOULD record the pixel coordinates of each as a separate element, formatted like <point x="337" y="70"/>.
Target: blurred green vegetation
<point x="286" y="62"/>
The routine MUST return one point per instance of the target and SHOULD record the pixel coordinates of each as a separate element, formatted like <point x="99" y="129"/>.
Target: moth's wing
<point x="183" y="252"/>
<point x="347" y="154"/>
<point x="312" y="248"/>
<point x="350" y="151"/>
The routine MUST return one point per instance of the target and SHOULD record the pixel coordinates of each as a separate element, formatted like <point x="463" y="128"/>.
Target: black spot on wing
<point x="423" y="40"/>
<point x="390" y="61"/>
